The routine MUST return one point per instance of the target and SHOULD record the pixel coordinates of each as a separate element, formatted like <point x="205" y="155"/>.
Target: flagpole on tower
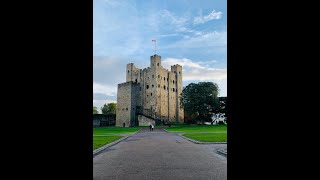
<point x="155" y="46"/>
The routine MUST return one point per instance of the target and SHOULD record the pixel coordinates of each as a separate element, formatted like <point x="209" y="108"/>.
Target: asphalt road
<point x="159" y="155"/>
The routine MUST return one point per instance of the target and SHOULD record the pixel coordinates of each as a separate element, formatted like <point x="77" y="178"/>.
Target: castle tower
<point x="177" y="70"/>
<point x="133" y="73"/>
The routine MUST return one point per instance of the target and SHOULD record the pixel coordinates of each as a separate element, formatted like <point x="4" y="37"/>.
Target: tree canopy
<point x="109" y="108"/>
<point x="95" y="110"/>
<point x="200" y="100"/>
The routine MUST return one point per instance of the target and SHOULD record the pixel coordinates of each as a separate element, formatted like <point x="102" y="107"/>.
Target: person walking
<point x="152" y="127"/>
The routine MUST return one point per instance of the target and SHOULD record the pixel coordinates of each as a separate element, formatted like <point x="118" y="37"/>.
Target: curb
<point x="96" y="151"/>
<point x="222" y="152"/>
<point x="195" y="141"/>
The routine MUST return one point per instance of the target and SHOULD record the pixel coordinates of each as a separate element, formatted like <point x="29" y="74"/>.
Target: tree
<point x="223" y="105"/>
<point x="200" y="100"/>
<point x="109" y="108"/>
<point x="95" y="110"/>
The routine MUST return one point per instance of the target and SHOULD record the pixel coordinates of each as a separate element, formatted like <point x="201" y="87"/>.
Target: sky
<point x="192" y="33"/>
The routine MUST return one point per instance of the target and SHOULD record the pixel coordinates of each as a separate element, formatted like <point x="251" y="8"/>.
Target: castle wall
<point x="157" y="92"/>
<point x="145" y="121"/>
<point x="135" y="101"/>
<point x="124" y="104"/>
<point x="164" y="97"/>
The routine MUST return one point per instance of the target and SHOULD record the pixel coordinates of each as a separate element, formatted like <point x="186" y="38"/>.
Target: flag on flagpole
<point x="153" y="40"/>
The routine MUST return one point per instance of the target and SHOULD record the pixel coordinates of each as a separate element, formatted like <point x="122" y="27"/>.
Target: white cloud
<point x="178" y="21"/>
<point x="196" y="71"/>
<point x="107" y="91"/>
<point x="202" y="19"/>
<point x="198" y="33"/>
<point x="201" y="39"/>
<point x="169" y="20"/>
<point x="186" y="36"/>
<point x="168" y="35"/>
<point x="193" y="71"/>
<point x="104" y="89"/>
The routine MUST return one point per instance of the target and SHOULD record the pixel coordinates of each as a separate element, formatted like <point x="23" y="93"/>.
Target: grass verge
<point x="114" y="130"/>
<point x="99" y="141"/>
<point x="208" y="137"/>
<point x="198" y="128"/>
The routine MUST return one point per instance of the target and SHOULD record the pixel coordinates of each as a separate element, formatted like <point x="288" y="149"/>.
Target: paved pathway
<point x="160" y="155"/>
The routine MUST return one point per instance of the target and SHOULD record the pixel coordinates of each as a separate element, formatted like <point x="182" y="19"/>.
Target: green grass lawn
<point x="208" y="137"/>
<point x="115" y="130"/>
<point x="99" y="141"/>
<point x="105" y="135"/>
<point x="204" y="133"/>
<point x="198" y="128"/>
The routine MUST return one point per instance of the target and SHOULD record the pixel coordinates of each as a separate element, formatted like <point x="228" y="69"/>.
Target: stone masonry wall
<point x="144" y="121"/>
<point x="124" y="104"/>
<point x="135" y="101"/>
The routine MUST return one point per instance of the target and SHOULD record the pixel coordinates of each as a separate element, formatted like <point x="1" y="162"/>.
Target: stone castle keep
<point x="150" y="95"/>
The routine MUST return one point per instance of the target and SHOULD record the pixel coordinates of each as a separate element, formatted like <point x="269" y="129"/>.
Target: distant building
<point x="150" y="95"/>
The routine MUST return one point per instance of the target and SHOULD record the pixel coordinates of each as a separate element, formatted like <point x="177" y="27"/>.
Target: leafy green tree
<point x="200" y="100"/>
<point x="109" y="108"/>
<point x="95" y="110"/>
<point x="223" y="105"/>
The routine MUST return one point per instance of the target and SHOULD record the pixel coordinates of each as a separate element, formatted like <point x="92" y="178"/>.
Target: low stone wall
<point x="145" y="121"/>
<point x="102" y="120"/>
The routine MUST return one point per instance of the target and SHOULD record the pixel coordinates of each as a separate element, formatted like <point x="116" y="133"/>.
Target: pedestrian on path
<point x="152" y="127"/>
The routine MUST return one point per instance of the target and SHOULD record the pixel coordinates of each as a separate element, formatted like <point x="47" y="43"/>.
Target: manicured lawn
<point x="114" y="130"/>
<point x="208" y="137"/>
<point x="99" y="141"/>
<point x="198" y="128"/>
<point x="105" y="135"/>
<point x="204" y="133"/>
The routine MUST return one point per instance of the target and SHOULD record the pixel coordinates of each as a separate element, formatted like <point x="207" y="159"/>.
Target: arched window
<point x="151" y="94"/>
<point x="164" y="87"/>
<point x="173" y="81"/>
<point x="158" y="76"/>
<point x="128" y="71"/>
<point x="158" y="64"/>
<point x="152" y="86"/>
<point x="173" y="89"/>
<point x="158" y="85"/>
<point x="147" y="86"/>
<point x="152" y="76"/>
